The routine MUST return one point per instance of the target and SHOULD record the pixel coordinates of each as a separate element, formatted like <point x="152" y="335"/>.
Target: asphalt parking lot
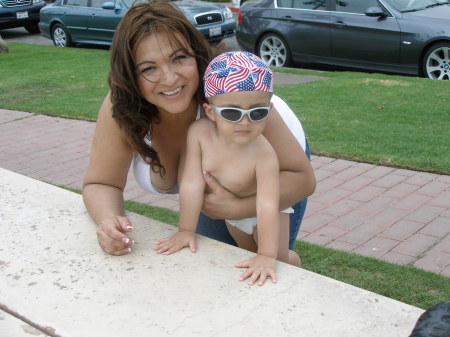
<point x="21" y="35"/>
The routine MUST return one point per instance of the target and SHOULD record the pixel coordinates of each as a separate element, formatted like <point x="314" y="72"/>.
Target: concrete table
<point x="11" y="326"/>
<point x="54" y="276"/>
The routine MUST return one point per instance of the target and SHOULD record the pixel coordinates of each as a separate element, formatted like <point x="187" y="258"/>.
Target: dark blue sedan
<point x="67" y="22"/>
<point x="20" y="13"/>
<point x="395" y="36"/>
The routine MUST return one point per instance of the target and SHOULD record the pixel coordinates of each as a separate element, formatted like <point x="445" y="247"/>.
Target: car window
<point x="302" y="4"/>
<point x="355" y="6"/>
<point x="97" y="3"/>
<point x="129" y="3"/>
<point x="411" y="6"/>
<point x="79" y="3"/>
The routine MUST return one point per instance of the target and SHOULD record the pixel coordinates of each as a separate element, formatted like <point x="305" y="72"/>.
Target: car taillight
<point x="239" y="18"/>
<point x="238" y="14"/>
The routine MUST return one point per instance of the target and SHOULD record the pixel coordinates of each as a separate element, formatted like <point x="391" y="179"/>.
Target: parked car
<point x="67" y="22"/>
<point x="20" y="13"/>
<point x="393" y="36"/>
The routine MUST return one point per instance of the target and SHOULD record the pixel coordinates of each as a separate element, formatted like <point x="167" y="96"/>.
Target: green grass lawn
<point x="381" y="119"/>
<point x="65" y="82"/>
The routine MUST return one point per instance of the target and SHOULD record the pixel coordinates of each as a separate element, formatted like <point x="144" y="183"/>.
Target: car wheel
<point x="60" y="36"/>
<point x="436" y="62"/>
<point x="274" y="51"/>
<point x="32" y="29"/>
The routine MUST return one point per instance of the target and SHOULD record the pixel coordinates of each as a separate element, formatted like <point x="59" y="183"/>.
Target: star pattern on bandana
<point x="237" y="71"/>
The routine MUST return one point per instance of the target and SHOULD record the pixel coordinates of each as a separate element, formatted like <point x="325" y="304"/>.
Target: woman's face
<point x="167" y="75"/>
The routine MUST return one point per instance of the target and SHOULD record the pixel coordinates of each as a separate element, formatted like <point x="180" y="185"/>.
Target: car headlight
<point x="37" y="1"/>
<point x="227" y="14"/>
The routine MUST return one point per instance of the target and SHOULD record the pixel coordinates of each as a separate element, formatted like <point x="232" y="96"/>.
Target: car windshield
<point x="416" y="5"/>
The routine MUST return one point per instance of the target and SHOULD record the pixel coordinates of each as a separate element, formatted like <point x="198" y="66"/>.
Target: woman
<point x="157" y="60"/>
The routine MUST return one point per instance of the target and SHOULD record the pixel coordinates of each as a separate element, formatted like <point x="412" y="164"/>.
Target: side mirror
<point x="375" y="12"/>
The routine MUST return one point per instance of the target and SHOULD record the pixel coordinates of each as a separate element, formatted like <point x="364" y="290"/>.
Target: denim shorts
<point x="217" y="230"/>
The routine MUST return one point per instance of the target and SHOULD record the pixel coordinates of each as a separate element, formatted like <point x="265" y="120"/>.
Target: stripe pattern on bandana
<point x="237" y="71"/>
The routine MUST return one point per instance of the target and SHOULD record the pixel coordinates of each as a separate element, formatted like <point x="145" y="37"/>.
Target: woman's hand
<point x="219" y="203"/>
<point x="111" y="237"/>
<point x="175" y="242"/>
<point x="259" y="268"/>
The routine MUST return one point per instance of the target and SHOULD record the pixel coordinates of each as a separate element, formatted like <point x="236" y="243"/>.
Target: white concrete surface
<point x="53" y="272"/>
<point x="11" y="326"/>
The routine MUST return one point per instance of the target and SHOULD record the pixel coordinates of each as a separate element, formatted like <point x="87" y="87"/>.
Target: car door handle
<point x="341" y="23"/>
<point x="288" y="17"/>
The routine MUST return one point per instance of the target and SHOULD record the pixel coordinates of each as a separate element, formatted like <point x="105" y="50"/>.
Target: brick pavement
<point x="395" y="215"/>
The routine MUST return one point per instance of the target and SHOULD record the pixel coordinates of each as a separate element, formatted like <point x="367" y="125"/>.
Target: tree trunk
<point x="3" y="46"/>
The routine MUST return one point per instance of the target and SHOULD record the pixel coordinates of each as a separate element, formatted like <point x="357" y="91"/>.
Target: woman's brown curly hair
<point x="130" y="110"/>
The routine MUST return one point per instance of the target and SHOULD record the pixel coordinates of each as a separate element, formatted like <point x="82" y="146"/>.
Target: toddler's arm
<point x="268" y="227"/>
<point x="267" y="206"/>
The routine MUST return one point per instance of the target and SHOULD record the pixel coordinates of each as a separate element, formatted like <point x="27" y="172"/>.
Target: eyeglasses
<point x="236" y="114"/>
<point x="155" y="74"/>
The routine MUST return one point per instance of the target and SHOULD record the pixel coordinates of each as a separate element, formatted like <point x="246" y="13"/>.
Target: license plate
<point x="22" y="15"/>
<point x="214" y="31"/>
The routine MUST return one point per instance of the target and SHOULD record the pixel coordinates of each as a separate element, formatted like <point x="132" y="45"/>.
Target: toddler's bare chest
<point x="234" y="172"/>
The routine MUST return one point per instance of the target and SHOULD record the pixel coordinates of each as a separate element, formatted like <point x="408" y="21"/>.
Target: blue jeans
<point x="217" y="230"/>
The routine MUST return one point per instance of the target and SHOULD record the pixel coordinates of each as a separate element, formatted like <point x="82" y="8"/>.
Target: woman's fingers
<point x="111" y="237"/>
<point x="125" y="224"/>
<point x="219" y="203"/>
<point x="212" y="183"/>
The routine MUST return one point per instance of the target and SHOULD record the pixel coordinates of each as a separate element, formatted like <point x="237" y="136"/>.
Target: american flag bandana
<point x="237" y="71"/>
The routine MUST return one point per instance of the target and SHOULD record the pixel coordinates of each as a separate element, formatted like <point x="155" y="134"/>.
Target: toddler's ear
<point x="209" y="112"/>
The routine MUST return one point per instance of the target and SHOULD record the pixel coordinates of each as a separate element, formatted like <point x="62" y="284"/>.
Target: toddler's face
<point x="245" y="130"/>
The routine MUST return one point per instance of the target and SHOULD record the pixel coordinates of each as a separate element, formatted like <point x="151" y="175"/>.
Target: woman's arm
<point x="192" y="187"/>
<point x="297" y="179"/>
<point x="105" y="181"/>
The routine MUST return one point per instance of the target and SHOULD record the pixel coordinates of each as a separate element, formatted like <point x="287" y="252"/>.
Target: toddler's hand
<point x="260" y="267"/>
<point x="176" y="242"/>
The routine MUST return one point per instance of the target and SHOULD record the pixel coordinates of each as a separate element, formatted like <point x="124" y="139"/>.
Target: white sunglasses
<point x="235" y="114"/>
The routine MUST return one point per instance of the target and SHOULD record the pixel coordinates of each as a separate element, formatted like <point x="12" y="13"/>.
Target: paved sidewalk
<point x="395" y="215"/>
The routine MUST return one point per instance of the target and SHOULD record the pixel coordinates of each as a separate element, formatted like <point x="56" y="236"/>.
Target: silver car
<point x="394" y="36"/>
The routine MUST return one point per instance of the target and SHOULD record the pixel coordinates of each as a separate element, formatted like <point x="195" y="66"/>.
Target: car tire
<point x="32" y="29"/>
<point x="436" y="62"/>
<point x="274" y="51"/>
<point x="60" y="36"/>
